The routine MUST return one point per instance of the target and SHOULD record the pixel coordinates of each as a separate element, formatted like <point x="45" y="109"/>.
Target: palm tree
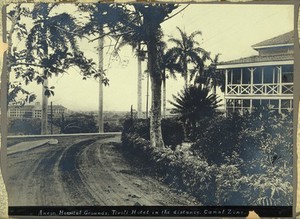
<point x="140" y="26"/>
<point x="212" y="77"/>
<point x="188" y="51"/>
<point x="136" y="44"/>
<point x="97" y="20"/>
<point x="192" y="104"/>
<point x="168" y="64"/>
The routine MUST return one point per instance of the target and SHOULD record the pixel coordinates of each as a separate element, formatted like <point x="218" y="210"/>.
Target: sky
<point x="228" y="29"/>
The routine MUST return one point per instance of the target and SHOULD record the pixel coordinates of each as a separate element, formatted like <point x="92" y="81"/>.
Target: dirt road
<point x="83" y="172"/>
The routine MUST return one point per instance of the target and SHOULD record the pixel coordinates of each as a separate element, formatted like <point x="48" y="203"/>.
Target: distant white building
<point x="264" y="79"/>
<point x="35" y="111"/>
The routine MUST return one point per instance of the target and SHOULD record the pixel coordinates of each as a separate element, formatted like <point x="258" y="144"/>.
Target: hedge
<point x="242" y="178"/>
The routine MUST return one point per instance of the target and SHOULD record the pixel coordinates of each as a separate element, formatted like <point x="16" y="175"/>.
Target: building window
<point x="236" y="76"/>
<point x="268" y="74"/>
<point x="246" y="79"/>
<point x="257" y="76"/>
<point x="287" y="74"/>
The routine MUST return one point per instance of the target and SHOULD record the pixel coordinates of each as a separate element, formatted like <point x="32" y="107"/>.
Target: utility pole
<point x="139" y="83"/>
<point x="100" y="49"/>
<point x="44" y="125"/>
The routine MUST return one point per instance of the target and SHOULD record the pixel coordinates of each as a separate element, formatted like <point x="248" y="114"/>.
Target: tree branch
<point x="121" y="28"/>
<point x="36" y="65"/>
<point x="175" y="13"/>
<point x="74" y="33"/>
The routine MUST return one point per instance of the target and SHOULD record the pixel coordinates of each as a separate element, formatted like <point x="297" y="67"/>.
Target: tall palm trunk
<point x="100" y="113"/>
<point x="139" y="84"/>
<point x="186" y="74"/>
<point x="156" y="81"/>
<point x="164" y="94"/>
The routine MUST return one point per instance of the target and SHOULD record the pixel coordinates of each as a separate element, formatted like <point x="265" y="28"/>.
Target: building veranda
<point x="265" y="79"/>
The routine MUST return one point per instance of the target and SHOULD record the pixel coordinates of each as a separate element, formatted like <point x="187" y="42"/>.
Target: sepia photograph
<point x="149" y="109"/>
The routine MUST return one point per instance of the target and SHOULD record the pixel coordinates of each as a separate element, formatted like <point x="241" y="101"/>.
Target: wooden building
<point x="263" y="79"/>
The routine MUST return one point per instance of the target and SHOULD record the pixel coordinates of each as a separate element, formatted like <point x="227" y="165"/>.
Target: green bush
<point x="178" y="168"/>
<point x="219" y="139"/>
<point x="24" y="126"/>
<point x="250" y="153"/>
<point x="172" y="130"/>
<point x="237" y="160"/>
<point x="76" y="123"/>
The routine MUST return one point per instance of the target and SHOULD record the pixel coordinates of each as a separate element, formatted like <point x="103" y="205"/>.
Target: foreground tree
<point x="153" y="16"/>
<point x="51" y="48"/>
<point x="17" y="29"/>
<point x="143" y="22"/>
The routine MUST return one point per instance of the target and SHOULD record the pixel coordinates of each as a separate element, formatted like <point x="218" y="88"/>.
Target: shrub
<point x="24" y="126"/>
<point x="172" y="130"/>
<point x="252" y="166"/>
<point x="76" y="123"/>
<point x="178" y="168"/>
<point x="220" y="139"/>
<point x="112" y="127"/>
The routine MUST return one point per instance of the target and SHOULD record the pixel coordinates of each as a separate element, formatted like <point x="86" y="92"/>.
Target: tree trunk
<point x="164" y="95"/>
<point x="3" y="131"/>
<point x="186" y="76"/>
<point x="3" y="145"/>
<point x="44" y="126"/>
<point x="139" y="85"/>
<point x="100" y="113"/>
<point x="156" y="80"/>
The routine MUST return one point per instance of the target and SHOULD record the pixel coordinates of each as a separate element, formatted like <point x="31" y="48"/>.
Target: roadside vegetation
<point x="233" y="160"/>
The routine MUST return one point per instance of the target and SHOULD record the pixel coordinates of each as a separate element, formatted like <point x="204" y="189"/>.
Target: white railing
<point x="259" y="89"/>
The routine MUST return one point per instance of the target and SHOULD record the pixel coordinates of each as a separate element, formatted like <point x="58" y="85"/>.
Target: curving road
<point x="83" y="171"/>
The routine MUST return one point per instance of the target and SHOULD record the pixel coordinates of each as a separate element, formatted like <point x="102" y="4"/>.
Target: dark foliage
<point x="254" y="154"/>
<point x="172" y="130"/>
<point x="24" y="126"/>
<point x="76" y="123"/>
<point x="218" y="137"/>
<point x="248" y="161"/>
<point x="193" y="104"/>
<point x="177" y="168"/>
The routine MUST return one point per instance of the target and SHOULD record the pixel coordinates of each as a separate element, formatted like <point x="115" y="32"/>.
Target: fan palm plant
<point x="192" y="104"/>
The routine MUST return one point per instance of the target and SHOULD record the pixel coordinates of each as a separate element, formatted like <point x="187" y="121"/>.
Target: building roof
<point x="254" y="59"/>
<point x="287" y="38"/>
